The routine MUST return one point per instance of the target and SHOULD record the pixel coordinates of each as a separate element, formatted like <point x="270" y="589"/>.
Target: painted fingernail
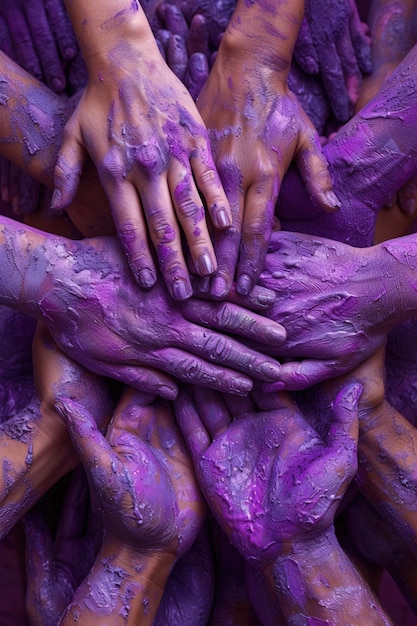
<point x="275" y="335"/>
<point x="244" y="284"/>
<point x="203" y="284"/>
<point x="223" y="219"/>
<point x="56" y="199"/>
<point x="70" y="52"/>
<point x="146" y="277"/>
<point x="57" y="84"/>
<point x="243" y="384"/>
<point x="181" y="290"/>
<point x="219" y="288"/>
<point x="332" y="200"/>
<point x="273" y="387"/>
<point x="169" y="393"/>
<point x="266" y="297"/>
<point x="205" y="265"/>
<point x="271" y="370"/>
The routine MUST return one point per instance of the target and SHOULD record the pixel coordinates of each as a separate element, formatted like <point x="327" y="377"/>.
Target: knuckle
<point x="163" y="233"/>
<point x="217" y="348"/>
<point x="189" y="368"/>
<point x="151" y="158"/>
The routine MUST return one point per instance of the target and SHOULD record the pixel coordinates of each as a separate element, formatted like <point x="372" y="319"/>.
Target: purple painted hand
<point x="269" y="478"/>
<point x="143" y="449"/>
<point x="154" y="160"/>
<point x="256" y="129"/>
<point x="343" y="48"/>
<point x="34" y="38"/>
<point x="326" y="291"/>
<point x="55" y="567"/>
<point x="99" y="317"/>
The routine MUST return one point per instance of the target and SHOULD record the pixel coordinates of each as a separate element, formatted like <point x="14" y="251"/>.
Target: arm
<point x="146" y="530"/>
<point x="257" y="127"/>
<point x="148" y="142"/>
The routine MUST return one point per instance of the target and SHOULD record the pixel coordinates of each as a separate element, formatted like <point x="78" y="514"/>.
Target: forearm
<point x="264" y="34"/>
<point x="122" y="588"/>
<point x="387" y="472"/>
<point x="36" y="452"/>
<point x="102" y="26"/>
<point x="316" y="580"/>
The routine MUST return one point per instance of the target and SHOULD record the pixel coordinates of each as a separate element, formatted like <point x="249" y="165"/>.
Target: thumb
<point x="68" y="168"/>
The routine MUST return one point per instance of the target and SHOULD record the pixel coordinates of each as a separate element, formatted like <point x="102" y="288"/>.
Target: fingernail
<point x="271" y="370"/>
<point x="273" y="387"/>
<point x="70" y="52"/>
<point x="266" y="297"/>
<point x="312" y="65"/>
<point x="352" y="393"/>
<point x="219" y="287"/>
<point x="181" y="290"/>
<point x="332" y="200"/>
<point x="56" y="199"/>
<point x="275" y="335"/>
<point x="57" y="84"/>
<point x="146" y="277"/>
<point x="203" y="284"/>
<point x="243" y="384"/>
<point x="244" y="284"/>
<point x="205" y="265"/>
<point x="223" y="219"/>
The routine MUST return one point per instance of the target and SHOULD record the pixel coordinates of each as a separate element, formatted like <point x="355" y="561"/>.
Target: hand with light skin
<point x="343" y="49"/>
<point x="274" y="484"/>
<point x="56" y="566"/>
<point x="256" y="127"/>
<point x="150" y="146"/>
<point x="40" y="31"/>
<point x="146" y="529"/>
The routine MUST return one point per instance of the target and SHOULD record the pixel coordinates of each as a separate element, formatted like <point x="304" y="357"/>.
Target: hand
<point x="343" y="49"/>
<point x="337" y="285"/>
<point x="267" y="475"/>
<point x="143" y="448"/>
<point x="55" y="567"/>
<point x="99" y="317"/>
<point x="254" y="138"/>
<point x="154" y="161"/>
<point x="33" y="31"/>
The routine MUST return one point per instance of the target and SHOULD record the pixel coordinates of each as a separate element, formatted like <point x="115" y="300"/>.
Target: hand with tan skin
<point x="274" y="482"/>
<point x="141" y="128"/>
<point x="144" y="489"/>
<point x="256" y="127"/>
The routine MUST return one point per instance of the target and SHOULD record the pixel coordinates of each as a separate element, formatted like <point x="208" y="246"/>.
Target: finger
<point x="305" y="51"/>
<point x="407" y="197"/>
<point x="213" y="411"/>
<point x="197" y="74"/>
<point x="345" y="424"/>
<point x="233" y="319"/>
<point x="22" y="43"/>
<point x="198" y="37"/>
<point x="334" y="82"/>
<point x="360" y="40"/>
<point x="300" y="375"/>
<point x="190" y="212"/>
<point x="131" y="229"/>
<point x="177" y="55"/>
<point x="259" y="299"/>
<point x="61" y="27"/>
<point x="192" y="428"/>
<point x="273" y="401"/>
<point x="210" y="186"/>
<point x="353" y="76"/>
<point x="44" y="43"/>
<point x="144" y="379"/>
<point x="256" y="230"/>
<point x="315" y="169"/>
<point x="68" y="168"/>
<point x="175" y="21"/>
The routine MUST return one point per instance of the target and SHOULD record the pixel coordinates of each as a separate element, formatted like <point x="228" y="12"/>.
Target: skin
<point x="343" y="50"/>
<point x="88" y="286"/>
<point x="146" y="530"/>
<point x="156" y="149"/>
<point x="287" y="531"/>
<point x="256" y="127"/>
